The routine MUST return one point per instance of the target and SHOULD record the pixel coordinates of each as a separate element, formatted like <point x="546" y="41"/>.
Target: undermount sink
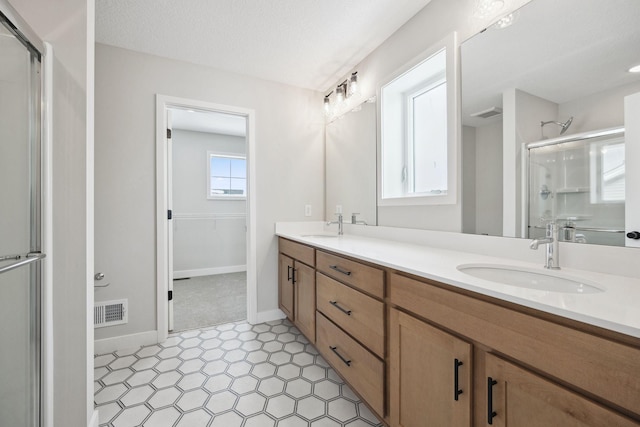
<point x="523" y="277"/>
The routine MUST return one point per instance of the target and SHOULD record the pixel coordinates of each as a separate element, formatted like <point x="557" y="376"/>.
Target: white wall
<point x="68" y="26"/>
<point x="520" y="124"/>
<point x="488" y="181"/>
<point x="208" y="235"/>
<point x="432" y="24"/>
<point x="289" y="162"/>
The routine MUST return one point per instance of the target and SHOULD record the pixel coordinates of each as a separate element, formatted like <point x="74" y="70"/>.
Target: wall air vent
<point x="490" y="112"/>
<point x="109" y="313"/>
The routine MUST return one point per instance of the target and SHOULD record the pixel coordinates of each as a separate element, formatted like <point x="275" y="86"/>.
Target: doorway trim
<point x="163" y="103"/>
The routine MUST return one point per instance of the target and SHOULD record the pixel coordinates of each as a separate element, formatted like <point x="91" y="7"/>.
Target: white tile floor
<point x="233" y="375"/>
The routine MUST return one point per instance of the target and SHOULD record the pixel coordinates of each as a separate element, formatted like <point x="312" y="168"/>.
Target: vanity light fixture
<point x="635" y="69"/>
<point x="353" y="83"/>
<point x="346" y="94"/>
<point x="327" y="103"/>
<point x="340" y="92"/>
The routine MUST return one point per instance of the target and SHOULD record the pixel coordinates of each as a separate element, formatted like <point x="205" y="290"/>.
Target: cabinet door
<point x="518" y="397"/>
<point x="305" y="297"/>
<point x="285" y="285"/>
<point x="430" y="375"/>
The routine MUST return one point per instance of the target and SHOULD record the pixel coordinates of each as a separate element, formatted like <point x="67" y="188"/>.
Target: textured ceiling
<point x="305" y="43"/>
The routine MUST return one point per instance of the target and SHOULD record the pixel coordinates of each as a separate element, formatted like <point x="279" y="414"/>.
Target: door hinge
<point x="170" y="295"/>
<point x="168" y="133"/>
<point x="169" y="214"/>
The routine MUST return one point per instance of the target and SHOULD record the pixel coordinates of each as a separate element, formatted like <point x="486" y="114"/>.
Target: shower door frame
<point x="43" y="216"/>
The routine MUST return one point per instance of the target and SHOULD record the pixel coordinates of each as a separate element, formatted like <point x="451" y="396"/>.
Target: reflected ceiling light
<point x="505" y="21"/>
<point x="635" y="69"/>
<point x="485" y="8"/>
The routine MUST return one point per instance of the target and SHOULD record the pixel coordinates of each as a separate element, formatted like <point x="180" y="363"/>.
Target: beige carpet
<point x="209" y="300"/>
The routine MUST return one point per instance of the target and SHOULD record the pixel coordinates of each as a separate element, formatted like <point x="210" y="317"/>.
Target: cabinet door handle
<point x="490" y="412"/>
<point x="456" y="387"/>
<point x="293" y="276"/>
<point x="339" y="270"/>
<point x="289" y="276"/>
<point x="335" y="304"/>
<point x="335" y="350"/>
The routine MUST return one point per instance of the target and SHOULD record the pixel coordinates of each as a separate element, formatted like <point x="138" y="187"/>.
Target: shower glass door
<point x="20" y="242"/>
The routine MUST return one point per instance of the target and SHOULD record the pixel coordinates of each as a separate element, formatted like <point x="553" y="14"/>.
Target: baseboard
<point x="268" y="316"/>
<point x="94" y="419"/>
<point x="181" y="274"/>
<point x="109" y="345"/>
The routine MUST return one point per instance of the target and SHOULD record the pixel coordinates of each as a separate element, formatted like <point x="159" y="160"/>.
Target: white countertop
<point x="617" y="308"/>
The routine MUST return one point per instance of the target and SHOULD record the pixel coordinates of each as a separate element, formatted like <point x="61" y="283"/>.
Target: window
<point x="418" y="139"/>
<point x="227" y="176"/>
<point x="427" y="142"/>
<point x="608" y="171"/>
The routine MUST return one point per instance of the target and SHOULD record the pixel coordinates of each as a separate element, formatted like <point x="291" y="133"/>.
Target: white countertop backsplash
<point x="435" y="255"/>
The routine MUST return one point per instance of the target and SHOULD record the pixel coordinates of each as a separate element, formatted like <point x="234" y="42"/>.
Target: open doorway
<point x="208" y="199"/>
<point x="206" y="248"/>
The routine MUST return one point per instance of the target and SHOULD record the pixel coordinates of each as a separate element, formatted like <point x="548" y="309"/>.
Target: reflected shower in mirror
<point x="554" y="69"/>
<point x="351" y="165"/>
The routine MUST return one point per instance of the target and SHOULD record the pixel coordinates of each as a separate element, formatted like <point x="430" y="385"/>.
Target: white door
<point x="170" y="216"/>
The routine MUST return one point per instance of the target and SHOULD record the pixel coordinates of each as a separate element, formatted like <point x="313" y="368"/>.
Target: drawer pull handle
<point x="289" y="276"/>
<point x="456" y="387"/>
<point x="335" y="350"/>
<point x="335" y="304"/>
<point x="339" y="270"/>
<point x="490" y="412"/>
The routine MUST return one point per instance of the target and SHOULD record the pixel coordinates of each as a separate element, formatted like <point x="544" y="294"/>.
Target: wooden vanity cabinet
<point x="545" y="373"/>
<point x="518" y="397"/>
<point x="422" y="353"/>
<point x="430" y="375"/>
<point x="297" y="286"/>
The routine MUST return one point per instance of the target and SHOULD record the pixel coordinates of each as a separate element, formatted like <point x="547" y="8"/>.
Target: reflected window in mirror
<point x="417" y="144"/>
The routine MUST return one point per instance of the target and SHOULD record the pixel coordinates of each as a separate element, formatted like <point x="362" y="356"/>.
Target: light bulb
<point x="353" y="83"/>
<point x="340" y="94"/>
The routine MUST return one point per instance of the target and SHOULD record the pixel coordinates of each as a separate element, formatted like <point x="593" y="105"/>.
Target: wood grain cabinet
<point x="518" y="397"/>
<point x="297" y="286"/>
<point x="430" y="375"/>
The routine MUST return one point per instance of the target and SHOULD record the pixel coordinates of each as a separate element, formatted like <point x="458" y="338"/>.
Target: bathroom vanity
<point x="424" y="344"/>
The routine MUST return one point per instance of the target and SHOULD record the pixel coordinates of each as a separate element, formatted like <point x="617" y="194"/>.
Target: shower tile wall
<point x="231" y="375"/>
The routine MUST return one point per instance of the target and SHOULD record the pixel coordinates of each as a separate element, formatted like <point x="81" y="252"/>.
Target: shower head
<point x="565" y="125"/>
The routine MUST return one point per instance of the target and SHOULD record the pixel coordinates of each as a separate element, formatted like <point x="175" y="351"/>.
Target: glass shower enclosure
<point x="20" y="226"/>
<point x="578" y="181"/>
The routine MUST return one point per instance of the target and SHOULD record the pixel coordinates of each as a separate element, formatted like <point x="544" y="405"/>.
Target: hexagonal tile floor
<point x="232" y="375"/>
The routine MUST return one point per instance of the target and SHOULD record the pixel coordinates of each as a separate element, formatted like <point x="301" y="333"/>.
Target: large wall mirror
<point x="544" y="96"/>
<point x="350" y="173"/>
<point x="543" y="116"/>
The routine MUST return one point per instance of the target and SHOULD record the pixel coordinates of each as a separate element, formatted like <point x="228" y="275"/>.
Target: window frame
<point x="454" y="171"/>
<point x="210" y="154"/>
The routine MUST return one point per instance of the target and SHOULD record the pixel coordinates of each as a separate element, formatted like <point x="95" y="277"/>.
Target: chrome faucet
<point x="354" y="219"/>
<point x="339" y="222"/>
<point x="552" y="253"/>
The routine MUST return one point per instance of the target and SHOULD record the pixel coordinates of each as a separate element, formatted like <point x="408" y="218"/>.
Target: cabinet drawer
<point x="361" y="369"/>
<point x="363" y="277"/>
<point x="298" y="251"/>
<point x="356" y="313"/>
<point x="597" y="365"/>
